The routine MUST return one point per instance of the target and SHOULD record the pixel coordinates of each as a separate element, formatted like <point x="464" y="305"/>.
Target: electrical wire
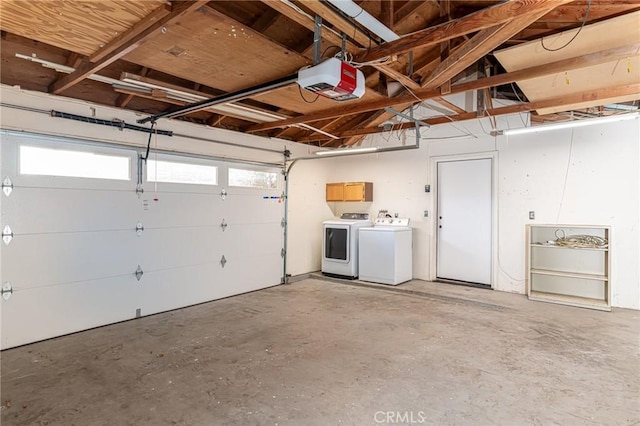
<point x="584" y="21"/>
<point x="304" y="99"/>
<point x="578" y="241"/>
<point x="566" y="176"/>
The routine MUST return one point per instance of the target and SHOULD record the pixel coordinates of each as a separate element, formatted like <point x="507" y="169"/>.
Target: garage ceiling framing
<point x="214" y="48"/>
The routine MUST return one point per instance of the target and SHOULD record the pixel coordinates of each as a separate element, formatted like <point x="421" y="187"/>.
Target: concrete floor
<point x="325" y="353"/>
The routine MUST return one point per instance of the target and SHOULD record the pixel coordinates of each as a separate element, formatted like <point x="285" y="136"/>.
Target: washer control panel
<point x="392" y="221"/>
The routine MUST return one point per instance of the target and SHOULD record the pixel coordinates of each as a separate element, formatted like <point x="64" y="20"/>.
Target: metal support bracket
<point x="317" y="39"/>
<point x="7" y="234"/>
<point x="139" y="228"/>
<point x="7" y="291"/>
<point x="7" y="186"/>
<point x="223" y="225"/>
<point x="139" y="273"/>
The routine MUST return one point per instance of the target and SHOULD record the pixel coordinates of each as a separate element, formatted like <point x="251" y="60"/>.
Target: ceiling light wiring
<point x="584" y="21"/>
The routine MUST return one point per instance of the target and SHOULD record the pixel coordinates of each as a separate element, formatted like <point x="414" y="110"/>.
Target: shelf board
<point x="595" y="277"/>
<point x="567" y="248"/>
<point x="581" y="302"/>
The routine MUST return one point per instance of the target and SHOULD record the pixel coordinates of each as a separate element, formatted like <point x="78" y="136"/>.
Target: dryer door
<point x="336" y="243"/>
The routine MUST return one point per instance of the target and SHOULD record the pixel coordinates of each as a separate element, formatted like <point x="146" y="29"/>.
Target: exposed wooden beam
<point x="445" y="103"/>
<point x="445" y="46"/>
<point x="478" y="46"/>
<point x="125" y="98"/>
<point x="148" y="27"/>
<point x="610" y="55"/>
<point x="387" y="14"/>
<point x="335" y="39"/>
<point x="610" y="92"/>
<point x="485" y="18"/>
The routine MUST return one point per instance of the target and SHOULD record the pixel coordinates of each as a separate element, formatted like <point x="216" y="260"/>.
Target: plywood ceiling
<point x="213" y="48"/>
<point x="596" y="37"/>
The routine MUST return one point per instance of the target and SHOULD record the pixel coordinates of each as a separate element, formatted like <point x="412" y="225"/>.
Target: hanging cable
<point x="584" y="21"/>
<point x="304" y="99"/>
<point x="146" y="155"/>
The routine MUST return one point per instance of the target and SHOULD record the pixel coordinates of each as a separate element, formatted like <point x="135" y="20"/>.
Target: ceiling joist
<point x="149" y="27"/>
<point x="605" y="56"/>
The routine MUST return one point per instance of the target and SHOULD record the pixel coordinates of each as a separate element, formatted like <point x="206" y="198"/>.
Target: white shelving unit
<point x="575" y="276"/>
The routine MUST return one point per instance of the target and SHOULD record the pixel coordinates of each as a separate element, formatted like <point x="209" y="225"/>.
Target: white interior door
<point x="464" y="221"/>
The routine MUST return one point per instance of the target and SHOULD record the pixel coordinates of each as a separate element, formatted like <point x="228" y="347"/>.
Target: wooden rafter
<point x="334" y="38"/>
<point x="485" y="18"/>
<point x="478" y="46"/>
<point x="628" y="89"/>
<point x="596" y="58"/>
<point x="148" y="27"/>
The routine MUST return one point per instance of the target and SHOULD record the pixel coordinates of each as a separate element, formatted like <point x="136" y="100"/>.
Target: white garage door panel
<point x="69" y="210"/>
<point x="253" y="209"/>
<point x="33" y="315"/>
<point x="254" y="273"/>
<point x="178" y="287"/>
<point x="46" y="259"/>
<point x="73" y="258"/>
<point x="180" y="247"/>
<point x="175" y="209"/>
<point x="252" y="239"/>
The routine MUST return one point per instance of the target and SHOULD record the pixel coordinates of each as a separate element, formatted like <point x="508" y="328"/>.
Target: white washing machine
<point x="340" y="245"/>
<point x="386" y="251"/>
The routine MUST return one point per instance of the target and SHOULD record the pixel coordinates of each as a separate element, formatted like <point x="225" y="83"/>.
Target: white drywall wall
<point x="602" y="187"/>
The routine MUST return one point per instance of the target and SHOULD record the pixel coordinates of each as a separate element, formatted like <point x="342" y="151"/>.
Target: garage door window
<point x="177" y="172"/>
<point x="253" y="178"/>
<point x="73" y="163"/>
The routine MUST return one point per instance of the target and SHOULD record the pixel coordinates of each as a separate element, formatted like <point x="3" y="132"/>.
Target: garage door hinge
<point x="7" y="186"/>
<point x="139" y="190"/>
<point x="223" y="261"/>
<point x="139" y="228"/>
<point x="223" y="194"/>
<point x="7" y="291"/>
<point x="223" y="225"/>
<point x="283" y="222"/>
<point x="139" y="273"/>
<point x="282" y="253"/>
<point x="7" y="234"/>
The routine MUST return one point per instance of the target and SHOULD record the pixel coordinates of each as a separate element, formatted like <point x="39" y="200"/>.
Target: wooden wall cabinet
<point x="350" y="191"/>
<point x="575" y="276"/>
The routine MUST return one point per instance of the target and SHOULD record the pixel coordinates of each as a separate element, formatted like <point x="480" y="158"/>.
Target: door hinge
<point x="7" y="186"/>
<point x="7" y="291"/>
<point x="7" y="234"/>
<point x="223" y="225"/>
<point x="139" y="228"/>
<point x="139" y="273"/>
<point x="283" y="223"/>
<point x="282" y="253"/>
<point x="223" y="261"/>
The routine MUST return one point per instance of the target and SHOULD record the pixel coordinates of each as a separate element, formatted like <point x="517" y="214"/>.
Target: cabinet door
<point x="354" y="191"/>
<point x="335" y="192"/>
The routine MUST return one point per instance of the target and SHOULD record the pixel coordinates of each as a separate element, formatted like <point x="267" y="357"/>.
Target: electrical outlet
<point x="532" y="215"/>
<point x="427" y="188"/>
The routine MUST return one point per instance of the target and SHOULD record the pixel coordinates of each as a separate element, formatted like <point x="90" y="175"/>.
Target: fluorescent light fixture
<point x="347" y="151"/>
<point x="365" y="19"/>
<point x="570" y="124"/>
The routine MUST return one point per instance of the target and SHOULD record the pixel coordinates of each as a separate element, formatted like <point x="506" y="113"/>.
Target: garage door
<point x="83" y="248"/>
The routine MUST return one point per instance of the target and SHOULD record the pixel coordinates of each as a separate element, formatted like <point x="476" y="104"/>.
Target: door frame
<point x="433" y="246"/>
